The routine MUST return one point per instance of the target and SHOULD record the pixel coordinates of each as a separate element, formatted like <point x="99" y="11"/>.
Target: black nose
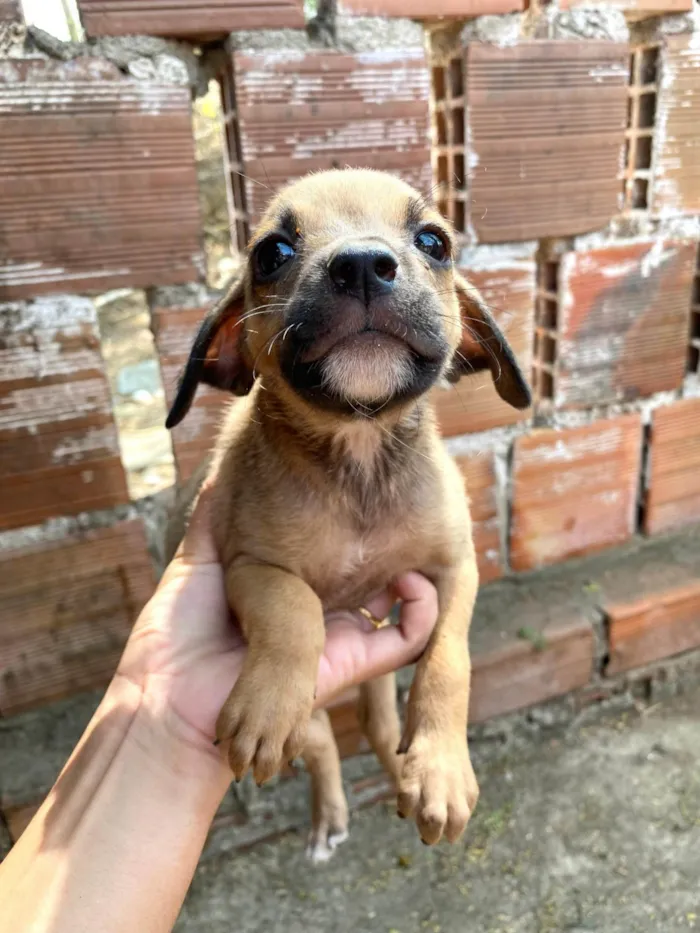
<point x="365" y="272"/>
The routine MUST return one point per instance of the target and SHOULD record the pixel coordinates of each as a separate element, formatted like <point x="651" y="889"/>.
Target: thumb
<point x="354" y="655"/>
<point x="198" y="547"/>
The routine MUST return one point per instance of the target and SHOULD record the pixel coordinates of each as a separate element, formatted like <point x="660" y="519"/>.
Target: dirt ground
<point x="595" y="828"/>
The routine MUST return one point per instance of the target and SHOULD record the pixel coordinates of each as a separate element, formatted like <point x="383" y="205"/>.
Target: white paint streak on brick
<point x="620" y="269"/>
<point x="75" y="448"/>
<point x="48" y="314"/>
<point x="655" y="257"/>
<point x="567" y="450"/>
<point x="503" y="257"/>
<point x="36" y="406"/>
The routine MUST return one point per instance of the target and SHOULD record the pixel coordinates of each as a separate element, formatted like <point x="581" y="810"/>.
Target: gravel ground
<point x="589" y="829"/>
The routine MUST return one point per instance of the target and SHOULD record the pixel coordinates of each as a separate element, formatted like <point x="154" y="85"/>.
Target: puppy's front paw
<point x="265" y="721"/>
<point x="437" y="786"/>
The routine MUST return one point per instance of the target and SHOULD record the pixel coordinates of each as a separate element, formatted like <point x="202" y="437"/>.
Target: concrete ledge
<point x="562" y="632"/>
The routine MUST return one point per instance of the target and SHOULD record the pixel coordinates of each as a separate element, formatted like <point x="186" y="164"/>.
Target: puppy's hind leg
<point x="378" y="713"/>
<point x="329" y="808"/>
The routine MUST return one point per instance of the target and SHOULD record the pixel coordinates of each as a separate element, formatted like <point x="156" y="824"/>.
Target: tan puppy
<point x="330" y="478"/>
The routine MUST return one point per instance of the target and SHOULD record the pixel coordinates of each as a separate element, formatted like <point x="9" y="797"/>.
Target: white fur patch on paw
<point x="320" y="849"/>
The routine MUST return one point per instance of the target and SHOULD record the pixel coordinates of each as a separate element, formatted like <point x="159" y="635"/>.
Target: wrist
<point x="133" y="805"/>
<point x="174" y="753"/>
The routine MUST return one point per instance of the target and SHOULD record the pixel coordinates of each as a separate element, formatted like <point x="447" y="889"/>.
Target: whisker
<point x="248" y="178"/>
<point x="261" y="309"/>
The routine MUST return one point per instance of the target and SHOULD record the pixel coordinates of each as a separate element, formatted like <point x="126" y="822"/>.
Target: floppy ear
<point x="218" y="357"/>
<point x="483" y="346"/>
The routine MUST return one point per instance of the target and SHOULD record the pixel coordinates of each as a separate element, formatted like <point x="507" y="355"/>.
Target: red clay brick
<point x="430" y="9"/>
<point x="298" y="111"/>
<point x="673" y="495"/>
<point x="574" y="490"/>
<point x="508" y="287"/>
<point x="519" y="674"/>
<point x="531" y="639"/>
<point x="68" y="634"/>
<point x="137" y="222"/>
<point x="642" y="7"/>
<point x="652" y="628"/>
<point x="676" y="179"/>
<point x="480" y="477"/>
<point x="623" y="319"/>
<point x="191" y="19"/>
<point x="59" y="452"/>
<point x="540" y="153"/>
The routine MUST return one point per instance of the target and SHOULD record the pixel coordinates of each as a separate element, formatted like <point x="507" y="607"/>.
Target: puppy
<point x="329" y="479"/>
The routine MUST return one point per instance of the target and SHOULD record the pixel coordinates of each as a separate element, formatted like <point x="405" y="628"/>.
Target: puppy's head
<point x="349" y="298"/>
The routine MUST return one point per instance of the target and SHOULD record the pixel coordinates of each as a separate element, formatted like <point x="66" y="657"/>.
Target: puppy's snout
<point x="364" y="272"/>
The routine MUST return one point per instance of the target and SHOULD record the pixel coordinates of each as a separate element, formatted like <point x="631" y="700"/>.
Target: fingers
<point x="380" y="606"/>
<point x="353" y="655"/>
<point x="419" y="610"/>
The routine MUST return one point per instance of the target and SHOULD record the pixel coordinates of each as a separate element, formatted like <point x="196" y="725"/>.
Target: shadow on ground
<point x="594" y="829"/>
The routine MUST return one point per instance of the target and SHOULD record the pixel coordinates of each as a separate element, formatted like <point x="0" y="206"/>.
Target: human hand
<point x="186" y="652"/>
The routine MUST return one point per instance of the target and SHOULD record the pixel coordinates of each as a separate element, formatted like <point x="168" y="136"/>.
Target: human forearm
<point x="114" y="846"/>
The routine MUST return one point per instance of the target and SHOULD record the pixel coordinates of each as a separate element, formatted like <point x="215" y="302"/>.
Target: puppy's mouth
<point x="361" y="341"/>
<point x="354" y="326"/>
<point x="345" y="354"/>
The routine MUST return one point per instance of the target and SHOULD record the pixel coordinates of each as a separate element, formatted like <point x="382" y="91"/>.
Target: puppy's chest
<point x="354" y="566"/>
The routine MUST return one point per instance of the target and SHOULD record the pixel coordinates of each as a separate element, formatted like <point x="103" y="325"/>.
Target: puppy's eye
<point x="433" y="245"/>
<point x="271" y="255"/>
